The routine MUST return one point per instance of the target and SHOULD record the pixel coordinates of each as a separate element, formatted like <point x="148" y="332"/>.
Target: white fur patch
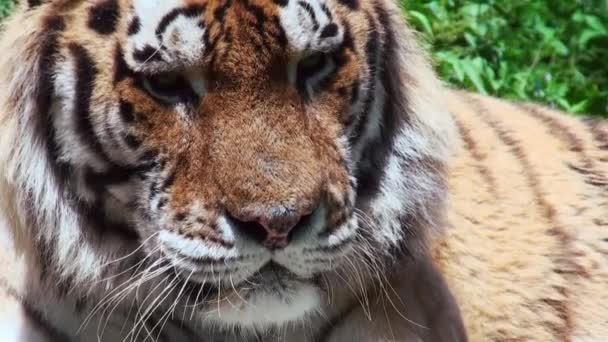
<point x="300" y="27"/>
<point x="265" y="309"/>
<point x="180" y="45"/>
<point x="194" y="248"/>
<point x="73" y="150"/>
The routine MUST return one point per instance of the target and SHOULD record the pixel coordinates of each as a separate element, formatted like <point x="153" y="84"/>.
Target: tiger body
<point x="187" y="170"/>
<point x="525" y="251"/>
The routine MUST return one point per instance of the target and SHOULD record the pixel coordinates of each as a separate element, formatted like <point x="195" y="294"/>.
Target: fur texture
<point x="250" y="169"/>
<point x="526" y="250"/>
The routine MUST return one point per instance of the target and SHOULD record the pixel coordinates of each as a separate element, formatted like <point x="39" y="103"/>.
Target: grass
<point x="554" y="52"/>
<point x="549" y="51"/>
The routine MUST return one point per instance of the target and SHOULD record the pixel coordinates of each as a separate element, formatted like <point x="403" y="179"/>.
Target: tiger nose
<point x="273" y="231"/>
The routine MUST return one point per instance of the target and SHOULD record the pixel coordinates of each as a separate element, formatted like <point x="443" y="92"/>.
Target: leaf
<point x="588" y="35"/>
<point x="580" y="107"/>
<point x="595" y="23"/>
<point x="455" y="64"/>
<point x="472" y="71"/>
<point x="422" y="21"/>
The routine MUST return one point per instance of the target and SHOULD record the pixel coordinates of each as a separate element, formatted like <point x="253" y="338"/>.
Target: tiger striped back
<point x="526" y="251"/>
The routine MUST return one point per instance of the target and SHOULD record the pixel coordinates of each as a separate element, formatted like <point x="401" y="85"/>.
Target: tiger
<point x="282" y="170"/>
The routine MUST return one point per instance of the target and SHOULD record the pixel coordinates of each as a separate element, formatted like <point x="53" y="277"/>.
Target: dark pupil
<point x="173" y="86"/>
<point x="307" y="68"/>
<point x="166" y="85"/>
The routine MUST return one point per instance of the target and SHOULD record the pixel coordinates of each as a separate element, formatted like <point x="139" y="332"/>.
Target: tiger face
<point x="246" y="106"/>
<point x="251" y="156"/>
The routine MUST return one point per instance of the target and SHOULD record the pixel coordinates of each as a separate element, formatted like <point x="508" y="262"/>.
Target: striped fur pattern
<point x="145" y="140"/>
<point x="526" y="250"/>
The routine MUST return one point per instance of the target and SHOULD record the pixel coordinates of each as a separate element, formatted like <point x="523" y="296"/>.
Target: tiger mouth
<point x="270" y="276"/>
<point x="271" y="279"/>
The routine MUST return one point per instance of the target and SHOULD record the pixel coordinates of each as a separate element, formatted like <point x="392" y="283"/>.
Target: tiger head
<point x="253" y="145"/>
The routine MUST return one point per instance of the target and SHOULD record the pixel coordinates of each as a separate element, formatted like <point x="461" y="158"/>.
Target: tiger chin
<point x="244" y="170"/>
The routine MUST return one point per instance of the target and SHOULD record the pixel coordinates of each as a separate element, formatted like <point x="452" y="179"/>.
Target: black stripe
<point x="330" y="30"/>
<point x="220" y="11"/>
<point x="147" y="54"/>
<point x="280" y="36"/>
<point x="134" y="26"/>
<point x="161" y="203"/>
<point x="103" y="17"/>
<point x="311" y="13"/>
<point x="86" y="74"/>
<point x="305" y="72"/>
<point x="355" y="90"/>
<point x="126" y="111"/>
<point x="265" y="35"/>
<point x="394" y="111"/>
<point x="34" y="3"/>
<point x="348" y="44"/>
<point x="43" y="122"/>
<point x="43" y="127"/>
<point x="132" y="141"/>
<point x="352" y="4"/>
<point x="149" y="158"/>
<point x="168" y="182"/>
<point x="340" y="57"/>
<point x="121" y="69"/>
<point x="599" y="130"/>
<point x="372" y="47"/>
<point x="94" y="215"/>
<point x="192" y="11"/>
<point x="327" y="11"/>
<point x="153" y="190"/>
<point x="99" y="181"/>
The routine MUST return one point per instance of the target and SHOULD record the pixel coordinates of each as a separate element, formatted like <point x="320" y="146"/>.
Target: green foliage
<point x="6" y="6"/>
<point x="549" y="51"/>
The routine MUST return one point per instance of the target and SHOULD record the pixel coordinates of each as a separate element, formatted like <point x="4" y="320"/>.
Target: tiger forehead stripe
<point x="34" y="3"/>
<point x="169" y="34"/>
<point x="103" y="17"/>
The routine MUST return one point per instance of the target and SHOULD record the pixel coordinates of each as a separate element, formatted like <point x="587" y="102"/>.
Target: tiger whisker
<point x="141" y="245"/>
<point x="171" y="309"/>
<point x="119" y="298"/>
<point x="156" y="303"/>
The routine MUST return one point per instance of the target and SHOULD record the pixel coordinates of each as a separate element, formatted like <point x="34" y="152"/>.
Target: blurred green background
<point x="550" y="51"/>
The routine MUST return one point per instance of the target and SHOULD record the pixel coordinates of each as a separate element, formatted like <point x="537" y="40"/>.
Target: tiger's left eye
<point x="312" y="60"/>
<point x="170" y="88"/>
<point x="311" y="71"/>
